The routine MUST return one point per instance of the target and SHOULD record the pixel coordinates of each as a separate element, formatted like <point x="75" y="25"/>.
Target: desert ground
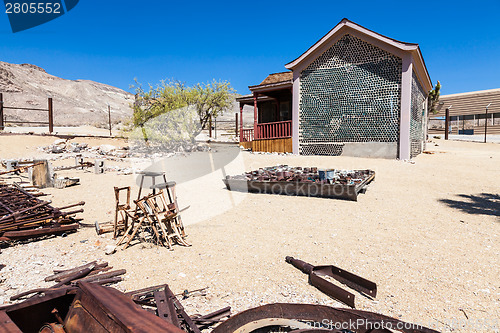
<point x="427" y="232"/>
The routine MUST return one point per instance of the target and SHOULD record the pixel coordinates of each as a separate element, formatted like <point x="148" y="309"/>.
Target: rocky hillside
<point x="76" y="102"/>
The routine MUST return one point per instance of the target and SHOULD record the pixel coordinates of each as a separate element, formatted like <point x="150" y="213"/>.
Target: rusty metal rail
<point x="22" y="214"/>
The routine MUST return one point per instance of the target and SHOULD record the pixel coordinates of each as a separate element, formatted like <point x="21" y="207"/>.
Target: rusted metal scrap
<point x="317" y="276"/>
<point x="170" y="309"/>
<point x="91" y="272"/>
<point x="309" y="181"/>
<point x="314" y="318"/>
<point x="23" y="215"/>
<point x="20" y="169"/>
<point x="90" y="307"/>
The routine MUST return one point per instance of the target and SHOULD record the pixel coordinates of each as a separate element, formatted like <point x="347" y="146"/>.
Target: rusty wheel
<point x="304" y="318"/>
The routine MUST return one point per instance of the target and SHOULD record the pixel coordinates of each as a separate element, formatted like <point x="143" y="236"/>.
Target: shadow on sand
<point x="484" y="204"/>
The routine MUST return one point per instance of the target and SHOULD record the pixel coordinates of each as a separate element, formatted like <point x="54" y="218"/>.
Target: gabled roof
<point x="346" y="26"/>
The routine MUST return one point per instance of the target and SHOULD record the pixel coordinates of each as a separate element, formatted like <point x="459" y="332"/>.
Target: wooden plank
<point x="41" y="175"/>
<point x="281" y="145"/>
<point x="246" y="144"/>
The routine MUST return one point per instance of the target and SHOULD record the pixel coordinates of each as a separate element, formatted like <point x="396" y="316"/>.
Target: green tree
<point x="167" y="96"/>
<point x="433" y="99"/>
<point x="208" y="99"/>
<point x="211" y="99"/>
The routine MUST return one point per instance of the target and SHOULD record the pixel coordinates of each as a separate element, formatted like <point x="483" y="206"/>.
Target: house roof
<point x="277" y="77"/>
<point x="346" y="26"/>
<point x="469" y="103"/>
<point x="274" y="81"/>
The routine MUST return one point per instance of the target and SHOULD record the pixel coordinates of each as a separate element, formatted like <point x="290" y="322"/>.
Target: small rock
<point x="57" y="150"/>
<point x="110" y="249"/>
<point x="60" y="142"/>
<point x="106" y="149"/>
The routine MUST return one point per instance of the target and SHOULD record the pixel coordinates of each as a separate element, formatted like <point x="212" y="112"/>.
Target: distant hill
<point x="76" y="102"/>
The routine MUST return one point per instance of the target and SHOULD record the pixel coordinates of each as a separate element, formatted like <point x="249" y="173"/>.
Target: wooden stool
<point x="153" y="175"/>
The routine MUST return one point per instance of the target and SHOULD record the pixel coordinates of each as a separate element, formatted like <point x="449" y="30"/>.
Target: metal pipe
<point x="447" y="122"/>
<point x="486" y="122"/>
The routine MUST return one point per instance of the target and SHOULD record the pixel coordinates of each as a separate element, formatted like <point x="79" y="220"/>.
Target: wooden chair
<point x="123" y="212"/>
<point x="167" y="217"/>
<point x="141" y="221"/>
<point x="169" y="189"/>
<point x="156" y="212"/>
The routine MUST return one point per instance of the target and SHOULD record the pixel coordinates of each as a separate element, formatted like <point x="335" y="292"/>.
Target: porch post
<point x="241" y="122"/>
<point x="278" y="116"/>
<point x="295" y="111"/>
<point x="404" y="126"/>
<point x="255" y="115"/>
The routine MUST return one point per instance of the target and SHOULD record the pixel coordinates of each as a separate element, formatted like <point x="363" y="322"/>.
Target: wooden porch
<point x="272" y="125"/>
<point x="270" y="137"/>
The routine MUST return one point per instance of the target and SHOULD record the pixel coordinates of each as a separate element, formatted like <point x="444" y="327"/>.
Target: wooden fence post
<point x="236" y="133"/>
<point x="109" y="120"/>
<point x="51" y="116"/>
<point x="1" y="113"/>
<point x="446" y="123"/>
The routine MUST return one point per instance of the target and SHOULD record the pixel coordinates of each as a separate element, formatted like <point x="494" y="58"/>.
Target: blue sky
<point x="114" y="41"/>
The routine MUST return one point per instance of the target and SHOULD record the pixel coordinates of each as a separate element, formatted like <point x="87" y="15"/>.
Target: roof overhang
<point x="271" y="86"/>
<point x="390" y="45"/>
<point x="248" y="99"/>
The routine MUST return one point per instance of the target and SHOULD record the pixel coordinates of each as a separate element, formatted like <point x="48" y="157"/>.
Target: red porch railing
<point x="279" y="129"/>
<point x="246" y="135"/>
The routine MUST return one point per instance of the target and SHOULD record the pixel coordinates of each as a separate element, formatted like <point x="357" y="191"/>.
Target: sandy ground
<point x="494" y="138"/>
<point x="428" y="233"/>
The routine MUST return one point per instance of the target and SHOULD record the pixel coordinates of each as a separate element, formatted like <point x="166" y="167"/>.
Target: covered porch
<point x="272" y="122"/>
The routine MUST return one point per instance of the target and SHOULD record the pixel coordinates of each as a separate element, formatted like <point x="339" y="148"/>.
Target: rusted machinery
<point x="23" y="215"/>
<point x="91" y="307"/>
<point x="94" y="308"/>
<point x="81" y="303"/>
<point x="318" y="277"/>
<point x="309" y="181"/>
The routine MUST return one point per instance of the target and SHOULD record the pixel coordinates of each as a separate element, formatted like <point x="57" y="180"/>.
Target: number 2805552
<point x="32" y="8"/>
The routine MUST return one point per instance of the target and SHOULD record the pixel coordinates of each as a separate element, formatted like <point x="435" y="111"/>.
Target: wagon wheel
<point x="279" y="325"/>
<point x="304" y="318"/>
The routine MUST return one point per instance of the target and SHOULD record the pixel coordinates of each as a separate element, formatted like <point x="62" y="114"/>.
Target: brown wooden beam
<point x="1" y="113"/>
<point x="255" y="114"/>
<point x="51" y="116"/>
